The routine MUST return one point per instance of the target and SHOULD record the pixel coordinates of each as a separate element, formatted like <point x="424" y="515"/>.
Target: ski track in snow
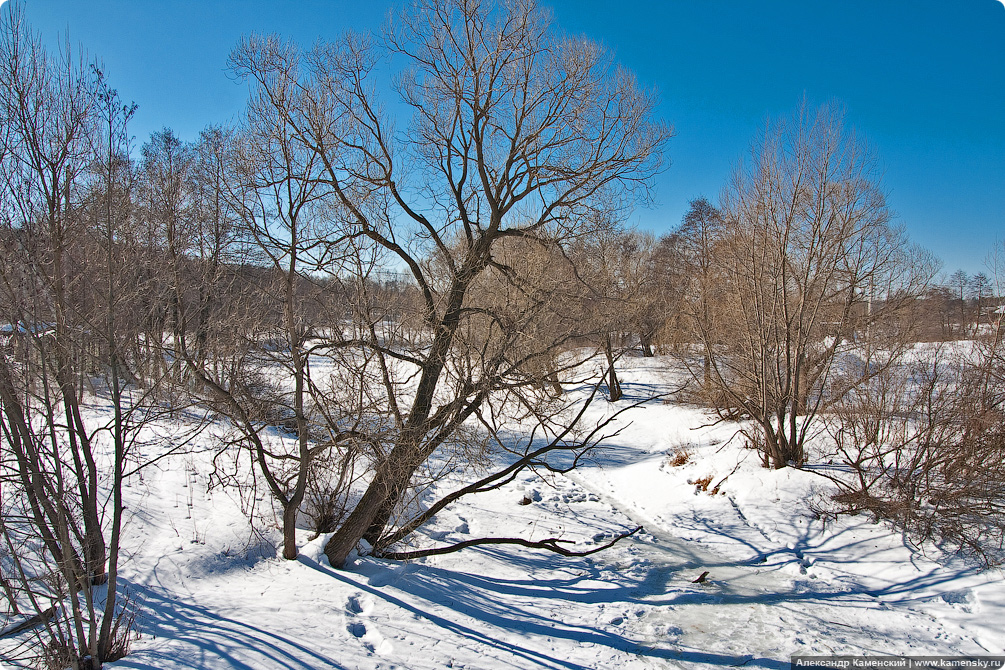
<point x="780" y="582"/>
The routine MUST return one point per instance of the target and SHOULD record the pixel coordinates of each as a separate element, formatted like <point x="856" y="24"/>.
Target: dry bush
<point x="324" y="507"/>
<point x="58" y="655"/>
<point x="679" y="457"/>
<point x="702" y="483"/>
<point x="925" y="448"/>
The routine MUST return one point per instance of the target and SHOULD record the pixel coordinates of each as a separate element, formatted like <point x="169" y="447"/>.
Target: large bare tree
<point x="517" y="133"/>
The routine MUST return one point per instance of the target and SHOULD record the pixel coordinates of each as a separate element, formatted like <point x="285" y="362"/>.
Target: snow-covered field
<point x="781" y="581"/>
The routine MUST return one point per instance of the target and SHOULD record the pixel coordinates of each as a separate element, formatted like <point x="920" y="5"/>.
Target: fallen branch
<point x="550" y="544"/>
<point x="536" y="458"/>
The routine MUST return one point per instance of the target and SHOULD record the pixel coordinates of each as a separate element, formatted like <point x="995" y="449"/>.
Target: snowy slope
<point x="213" y="595"/>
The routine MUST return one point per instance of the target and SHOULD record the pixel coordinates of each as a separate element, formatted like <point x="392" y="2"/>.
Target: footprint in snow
<point x="358" y="604"/>
<point x="964" y="599"/>
<point x="372" y="640"/>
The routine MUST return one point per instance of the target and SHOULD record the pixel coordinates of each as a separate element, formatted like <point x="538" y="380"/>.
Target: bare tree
<point x="980" y="288"/>
<point x="113" y="209"/>
<point x="66" y="181"/>
<point x="166" y="212"/>
<point x="700" y="238"/>
<point x="274" y="189"/>
<point x="615" y="267"/>
<point x="215" y="244"/>
<point x="48" y="108"/>
<point x="816" y="281"/>
<point x="958" y="283"/>
<point x="517" y="133"/>
<point x="660" y="279"/>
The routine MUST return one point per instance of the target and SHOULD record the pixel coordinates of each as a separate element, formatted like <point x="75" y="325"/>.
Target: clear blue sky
<point x="922" y="80"/>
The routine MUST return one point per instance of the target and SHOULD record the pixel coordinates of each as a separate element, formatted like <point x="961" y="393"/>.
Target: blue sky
<point x="922" y="80"/>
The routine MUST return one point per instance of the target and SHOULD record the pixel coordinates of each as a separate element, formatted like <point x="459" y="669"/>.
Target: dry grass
<point x="679" y="457"/>
<point x="703" y="482"/>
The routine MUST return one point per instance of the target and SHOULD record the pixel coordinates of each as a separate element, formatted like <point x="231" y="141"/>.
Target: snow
<point x="782" y="580"/>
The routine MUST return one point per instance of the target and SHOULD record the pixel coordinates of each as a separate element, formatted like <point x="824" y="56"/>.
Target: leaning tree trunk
<point x="373" y="511"/>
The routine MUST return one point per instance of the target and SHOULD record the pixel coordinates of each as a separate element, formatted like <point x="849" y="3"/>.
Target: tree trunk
<point x="647" y="345"/>
<point x="613" y="385"/>
<point x="373" y="511"/>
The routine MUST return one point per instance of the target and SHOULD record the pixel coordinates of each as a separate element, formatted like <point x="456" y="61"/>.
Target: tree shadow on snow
<point x="816" y="547"/>
<point x="498" y="608"/>
<point x="201" y="638"/>
<point x="657" y="573"/>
